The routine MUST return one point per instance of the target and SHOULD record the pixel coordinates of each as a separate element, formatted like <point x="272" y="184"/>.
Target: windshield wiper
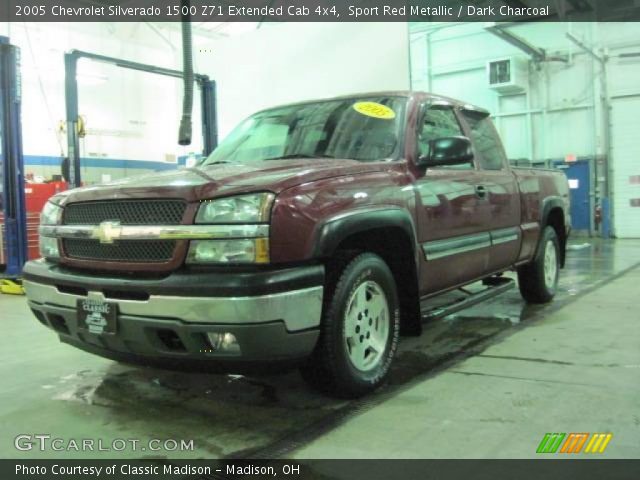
<point x="298" y="155"/>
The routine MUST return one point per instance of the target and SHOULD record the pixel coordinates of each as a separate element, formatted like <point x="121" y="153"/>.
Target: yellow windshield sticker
<point x="375" y="110"/>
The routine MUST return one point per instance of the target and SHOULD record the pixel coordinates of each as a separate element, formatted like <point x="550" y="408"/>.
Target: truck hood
<point x="200" y="183"/>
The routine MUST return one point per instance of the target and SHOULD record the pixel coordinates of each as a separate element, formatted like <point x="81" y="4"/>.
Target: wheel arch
<point x="387" y="232"/>
<point x="553" y="215"/>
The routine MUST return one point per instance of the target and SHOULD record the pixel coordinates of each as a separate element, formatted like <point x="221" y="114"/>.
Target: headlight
<point x="51" y="214"/>
<point x="249" y="250"/>
<point x="49" y="247"/>
<point x="255" y="208"/>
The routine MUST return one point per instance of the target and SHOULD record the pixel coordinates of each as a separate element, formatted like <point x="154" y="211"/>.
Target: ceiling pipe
<point x="184" y="134"/>
<point x="537" y="54"/>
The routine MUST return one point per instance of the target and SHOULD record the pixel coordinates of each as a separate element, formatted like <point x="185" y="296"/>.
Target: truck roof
<point x="419" y="95"/>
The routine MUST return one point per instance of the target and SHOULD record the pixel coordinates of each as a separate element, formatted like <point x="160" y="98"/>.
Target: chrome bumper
<point x="298" y="309"/>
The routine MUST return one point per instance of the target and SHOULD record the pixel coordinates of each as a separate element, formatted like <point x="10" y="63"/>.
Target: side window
<point x="486" y="142"/>
<point x="439" y="123"/>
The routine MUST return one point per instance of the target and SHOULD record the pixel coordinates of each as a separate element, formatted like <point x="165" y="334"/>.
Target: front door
<point x="452" y="213"/>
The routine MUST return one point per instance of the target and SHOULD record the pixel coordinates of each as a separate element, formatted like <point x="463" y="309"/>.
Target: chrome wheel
<point x="550" y="264"/>
<point x="366" y="326"/>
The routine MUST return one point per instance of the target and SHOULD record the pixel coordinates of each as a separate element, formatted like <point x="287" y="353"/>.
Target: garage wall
<point x="546" y="122"/>
<point x="131" y="117"/>
<point x="560" y="114"/>
<point x="292" y="62"/>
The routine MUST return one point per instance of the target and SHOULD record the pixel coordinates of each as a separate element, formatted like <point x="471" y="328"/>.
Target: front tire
<point x="359" y="330"/>
<point x="538" y="280"/>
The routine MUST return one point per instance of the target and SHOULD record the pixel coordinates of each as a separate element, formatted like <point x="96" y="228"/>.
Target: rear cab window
<point x="486" y="142"/>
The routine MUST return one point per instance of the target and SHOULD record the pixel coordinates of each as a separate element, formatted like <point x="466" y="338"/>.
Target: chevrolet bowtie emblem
<point x="107" y="232"/>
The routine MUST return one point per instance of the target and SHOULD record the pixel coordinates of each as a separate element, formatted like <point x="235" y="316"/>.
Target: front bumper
<point x="273" y="314"/>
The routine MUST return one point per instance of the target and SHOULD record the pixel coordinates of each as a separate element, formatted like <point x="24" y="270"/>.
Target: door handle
<point x="481" y="191"/>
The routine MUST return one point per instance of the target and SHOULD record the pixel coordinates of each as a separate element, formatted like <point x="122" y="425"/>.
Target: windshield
<point x="364" y="129"/>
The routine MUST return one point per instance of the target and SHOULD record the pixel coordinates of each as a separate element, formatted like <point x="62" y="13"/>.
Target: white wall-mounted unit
<point x="508" y="75"/>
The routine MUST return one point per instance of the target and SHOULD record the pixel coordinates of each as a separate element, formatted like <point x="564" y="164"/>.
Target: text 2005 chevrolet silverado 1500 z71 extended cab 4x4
<point x="310" y="235"/>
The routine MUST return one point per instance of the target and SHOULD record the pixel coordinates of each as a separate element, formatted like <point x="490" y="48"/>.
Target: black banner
<point x="317" y="10"/>
<point x="544" y="468"/>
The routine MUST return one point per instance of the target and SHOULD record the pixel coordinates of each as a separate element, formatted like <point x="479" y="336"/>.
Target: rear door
<point x="578" y="176"/>
<point x="497" y="187"/>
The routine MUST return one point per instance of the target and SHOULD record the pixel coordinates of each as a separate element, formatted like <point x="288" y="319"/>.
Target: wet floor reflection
<point x="232" y="415"/>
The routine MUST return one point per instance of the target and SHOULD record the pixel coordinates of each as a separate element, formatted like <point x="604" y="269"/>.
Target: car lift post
<point x="12" y="162"/>
<point x="208" y="103"/>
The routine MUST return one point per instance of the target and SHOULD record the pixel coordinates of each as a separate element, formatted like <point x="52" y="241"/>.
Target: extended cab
<point x="309" y="236"/>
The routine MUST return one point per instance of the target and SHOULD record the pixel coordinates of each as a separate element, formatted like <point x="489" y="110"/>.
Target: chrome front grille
<point x="126" y="212"/>
<point x="122" y="212"/>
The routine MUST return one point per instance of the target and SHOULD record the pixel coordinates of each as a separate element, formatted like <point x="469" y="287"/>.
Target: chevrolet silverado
<point x="310" y="237"/>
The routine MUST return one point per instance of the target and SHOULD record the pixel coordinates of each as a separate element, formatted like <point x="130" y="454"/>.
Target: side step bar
<point x="494" y="286"/>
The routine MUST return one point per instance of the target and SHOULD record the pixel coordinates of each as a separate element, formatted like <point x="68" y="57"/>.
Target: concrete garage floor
<point x="487" y="382"/>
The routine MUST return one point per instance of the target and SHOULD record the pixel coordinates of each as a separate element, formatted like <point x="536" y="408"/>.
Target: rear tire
<point x="538" y="280"/>
<point x="359" y="329"/>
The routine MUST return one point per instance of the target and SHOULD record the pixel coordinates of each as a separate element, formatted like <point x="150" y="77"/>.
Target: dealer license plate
<point x="97" y="316"/>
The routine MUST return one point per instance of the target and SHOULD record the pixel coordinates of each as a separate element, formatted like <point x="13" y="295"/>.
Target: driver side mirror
<point x="447" y="151"/>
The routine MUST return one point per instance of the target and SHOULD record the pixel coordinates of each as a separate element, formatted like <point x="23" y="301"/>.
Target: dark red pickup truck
<point x="309" y="236"/>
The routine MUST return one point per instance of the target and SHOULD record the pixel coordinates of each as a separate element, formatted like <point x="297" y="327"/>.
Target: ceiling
<point x="612" y="9"/>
